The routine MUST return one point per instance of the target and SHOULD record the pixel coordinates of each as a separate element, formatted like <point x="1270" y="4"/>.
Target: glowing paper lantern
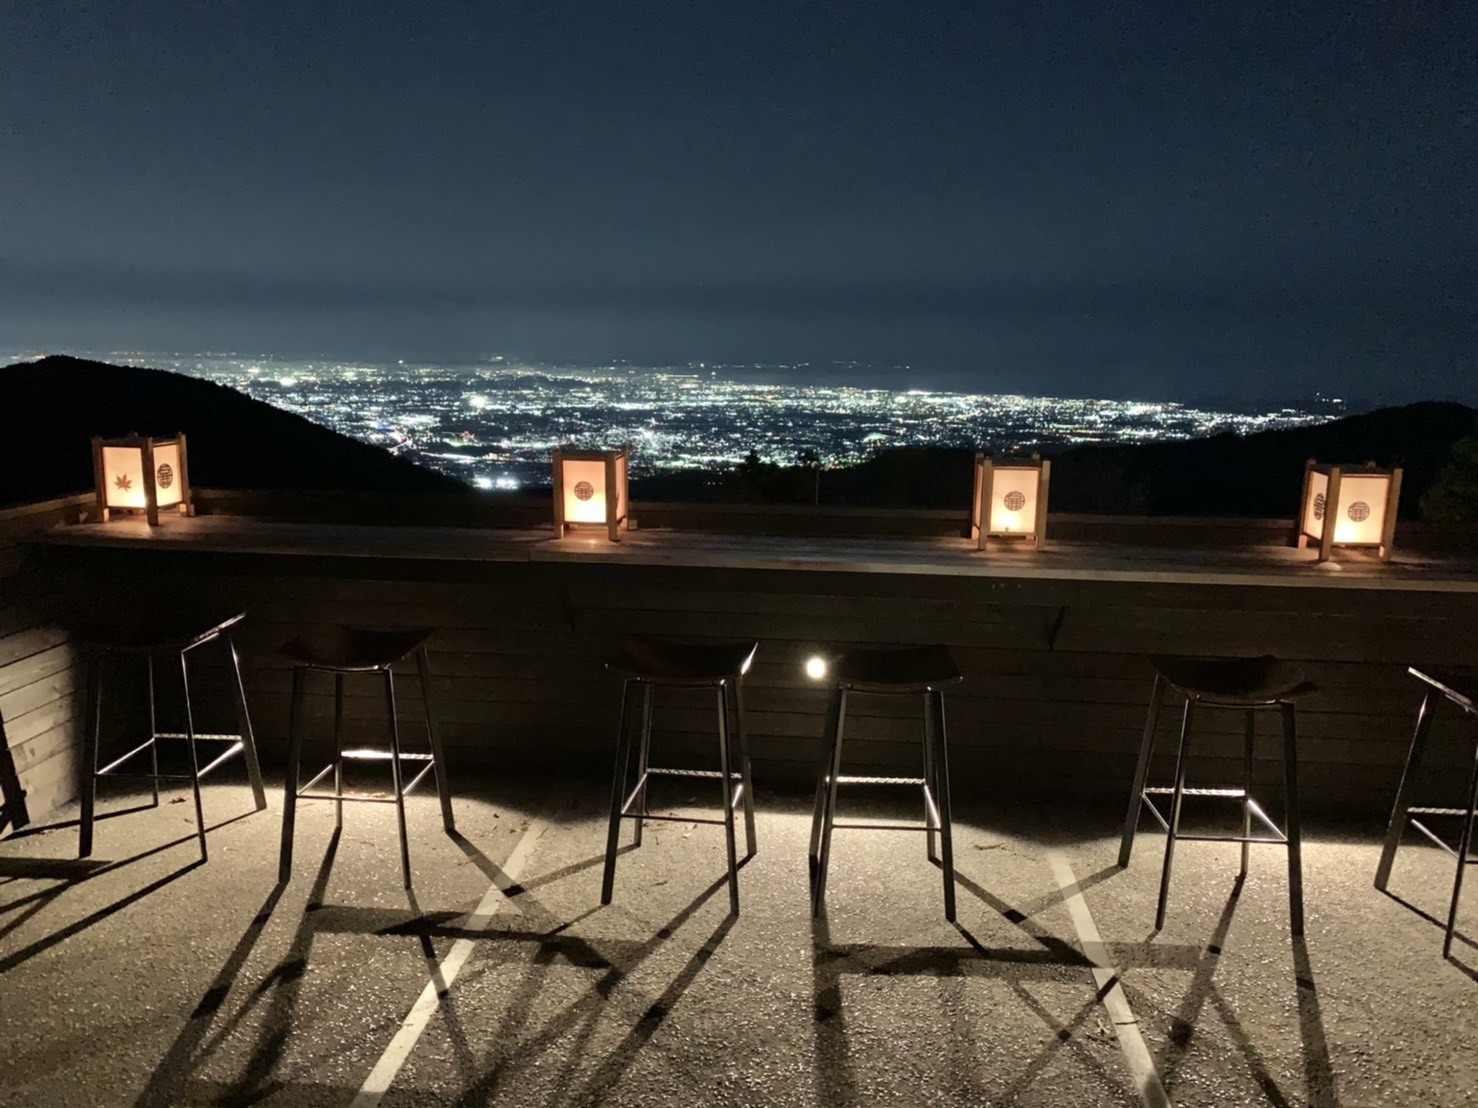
<point x="590" y="490"/>
<point x="137" y="474"/>
<point x="1349" y="506"/>
<point x="1010" y="500"/>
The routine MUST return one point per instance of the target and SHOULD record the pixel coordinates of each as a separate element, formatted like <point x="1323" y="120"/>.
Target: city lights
<point x="500" y="419"/>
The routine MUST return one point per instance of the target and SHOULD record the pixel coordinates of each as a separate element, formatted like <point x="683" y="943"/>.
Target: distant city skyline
<point x="495" y="424"/>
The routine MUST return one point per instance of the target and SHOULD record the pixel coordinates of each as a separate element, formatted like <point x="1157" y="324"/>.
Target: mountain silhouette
<point x="55" y="405"/>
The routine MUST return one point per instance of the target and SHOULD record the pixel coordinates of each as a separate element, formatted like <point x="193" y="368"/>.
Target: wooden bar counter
<point x="1053" y="641"/>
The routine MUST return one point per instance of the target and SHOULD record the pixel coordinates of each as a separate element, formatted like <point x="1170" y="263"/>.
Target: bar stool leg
<point x="92" y="734"/>
<point x="1175" y="803"/>
<point x="290" y="786"/>
<point x="1141" y="771"/>
<point x="1465" y="842"/>
<point x="823" y="770"/>
<point x="433" y="737"/>
<point x="643" y="761"/>
<point x="942" y="801"/>
<point x="618" y="794"/>
<point x="194" y="758"/>
<point x="338" y="750"/>
<point x="829" y="815"/>
<point x="1397" y="826"/>
<point x="397" y="777"/>
<point x="751" y="843"/>
<point x="726" y="772"/>
<point x="931" y="788"/>
<point x="1292" y="831"/>
<point x="243" y="724"/>
<point x="153" y="736"/>
<point x="1247" y="792"/>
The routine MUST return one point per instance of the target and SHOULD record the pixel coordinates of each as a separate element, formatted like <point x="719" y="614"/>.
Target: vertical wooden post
<point x="975" y="530"/>
<point x="99" y="478"/>
<point x="187" y="502"/>
<point x="1393" y="502"/>
<point x="1041" y="533"/>
<point x="987" y="491"/>
<point x="559" y="494"/>
<point x="151" y="494"/>
<point x="1331" y="515"/>
<point x="1300" y="538"/>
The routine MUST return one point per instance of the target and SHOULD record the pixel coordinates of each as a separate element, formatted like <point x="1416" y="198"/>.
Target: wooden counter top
<point x="1271" y="566"/>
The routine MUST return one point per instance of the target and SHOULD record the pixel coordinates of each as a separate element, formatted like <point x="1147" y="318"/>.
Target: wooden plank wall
<point x="1053" y="704"/>
<point x="38" y="677"/>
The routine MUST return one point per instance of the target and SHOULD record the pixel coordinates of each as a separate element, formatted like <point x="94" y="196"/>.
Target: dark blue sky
<point x="1115" y="199"/>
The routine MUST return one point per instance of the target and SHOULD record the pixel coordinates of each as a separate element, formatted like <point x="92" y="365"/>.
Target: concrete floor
<point x="144" y="978"/>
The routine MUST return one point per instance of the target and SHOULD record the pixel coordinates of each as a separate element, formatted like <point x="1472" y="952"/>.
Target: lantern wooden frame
<point x="988" y="518"/>
<point x="617" y="508"/>
<point x="161" y="485"/>
<point x="1340" y="486"/>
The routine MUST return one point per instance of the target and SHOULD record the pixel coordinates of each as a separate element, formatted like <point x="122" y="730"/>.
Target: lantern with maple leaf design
<point x="590" y="490"/>
<point x="138" y="474"/>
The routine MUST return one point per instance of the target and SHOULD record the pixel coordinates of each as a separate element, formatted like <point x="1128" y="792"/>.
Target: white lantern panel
<point x="585" y="491"/>
<point x="1315" y="506"/>
<point x="1013" y="500"/>
<point x="169" y="485"/>
<point x="1361" y="518"/>
<point x="123" y="477"/>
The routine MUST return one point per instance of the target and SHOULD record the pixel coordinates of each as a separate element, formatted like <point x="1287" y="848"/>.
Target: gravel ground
<point x="142" y="977"/>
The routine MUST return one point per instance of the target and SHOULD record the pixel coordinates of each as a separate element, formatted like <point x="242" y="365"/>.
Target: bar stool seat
<point x="345" y="651"/>
<point x="908" y="671"/>
<point x="152" y="634"/>
<point x="895" y="669"/>
<point x="665" y="663"/>
<point x="1251" y="685"/>
<point x="1460" y="690"/>
<point x="674" y="663"/>
<point x="353" y="649"/>
<point x="1236" y="682"/>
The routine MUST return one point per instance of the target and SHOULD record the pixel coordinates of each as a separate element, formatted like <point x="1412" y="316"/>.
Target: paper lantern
<point x="137" y="474"/>
<point x="590" y="491"/>
<point x="1010" y="500"/>
<point x="1349" y="506"/>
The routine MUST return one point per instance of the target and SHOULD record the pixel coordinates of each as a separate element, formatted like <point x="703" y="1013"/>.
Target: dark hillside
<point x="1258" y="475"/>
<point x="54" y="406"/>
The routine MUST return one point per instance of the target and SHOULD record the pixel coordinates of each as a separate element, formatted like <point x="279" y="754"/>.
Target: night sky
<point x="1176" y="199"/>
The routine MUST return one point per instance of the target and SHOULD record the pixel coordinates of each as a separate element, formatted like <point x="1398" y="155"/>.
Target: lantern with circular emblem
<point x="138" y="474"/>
<point x="1351" y="506"/>
<point x="1010" y="500"/>
<point x="590" y="491"/>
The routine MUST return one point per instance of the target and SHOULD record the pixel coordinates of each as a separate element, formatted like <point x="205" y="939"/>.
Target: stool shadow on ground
<point x="614" y="960"/>
<point x="165" y="1085"/>
<point x="71" y="872"/>
<point x="948" y="963"/>
<point x="279" y="989"/>
<point x="1441" y="925"/>
<point x="1319" y="1091"/>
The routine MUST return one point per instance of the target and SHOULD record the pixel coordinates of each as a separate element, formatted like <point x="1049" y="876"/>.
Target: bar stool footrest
<point x="1436" y="839"/>
<point x="852" y="779"/>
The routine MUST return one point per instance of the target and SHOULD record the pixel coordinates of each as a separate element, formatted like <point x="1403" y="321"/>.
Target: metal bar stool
<point x="1249" y="684"/>
<point x="907" y="671"/>
<point x="155" y="638"/>
<point x="1457" y="690"/>
<point x="657" y="663"/>
<point x="348" y="650"/>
